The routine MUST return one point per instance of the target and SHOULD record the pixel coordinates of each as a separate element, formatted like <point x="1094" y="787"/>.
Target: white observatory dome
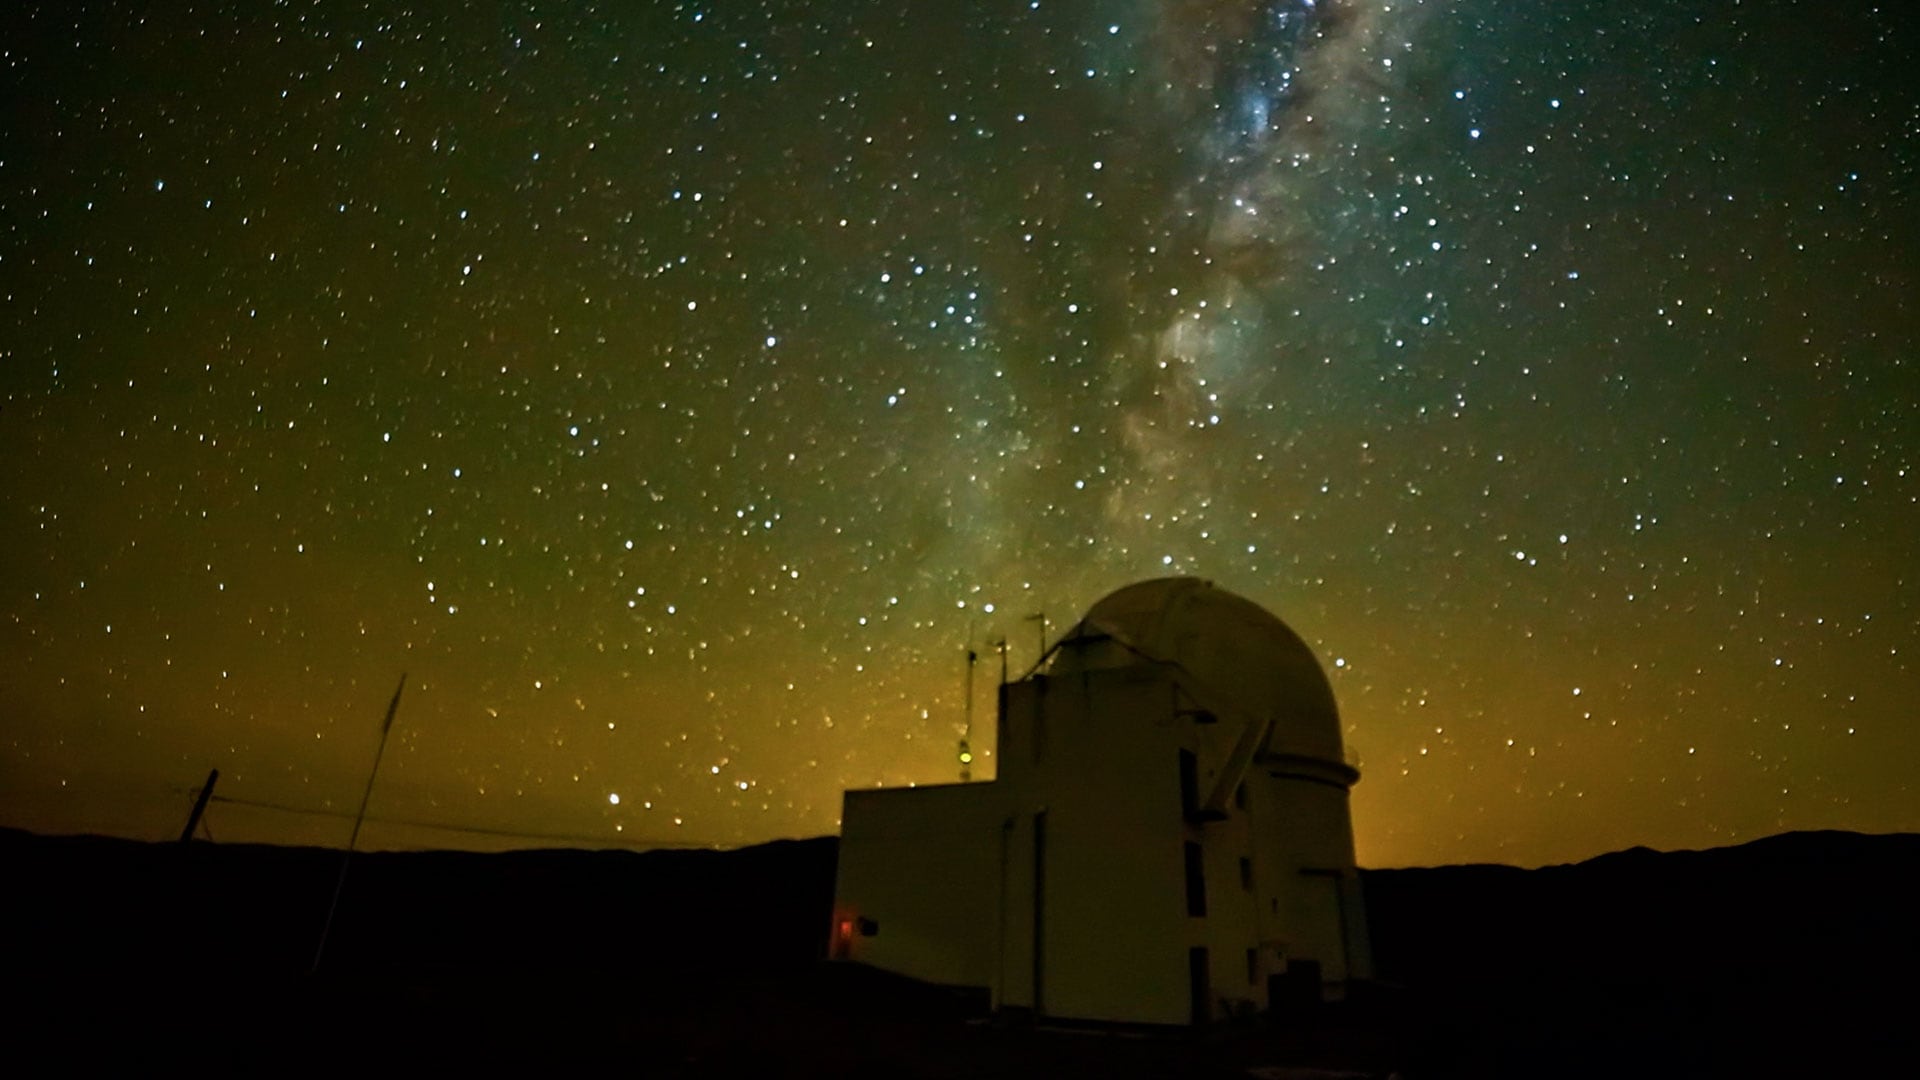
<point x="1244" y="663"/>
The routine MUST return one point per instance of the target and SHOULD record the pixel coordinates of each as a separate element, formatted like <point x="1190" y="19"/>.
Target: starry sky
<point x="675" y="392"/>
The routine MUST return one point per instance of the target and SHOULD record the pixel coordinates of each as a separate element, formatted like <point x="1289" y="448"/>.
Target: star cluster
<point x="678" y="391"/>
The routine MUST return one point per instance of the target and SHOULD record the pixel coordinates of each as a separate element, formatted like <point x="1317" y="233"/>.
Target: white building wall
<point x="950" y="873"/>
<point x="923" y="866"/>
<point x="1115" y="927"/>
<point x="1305" y="869"/>
<point x="1232" y="922"/>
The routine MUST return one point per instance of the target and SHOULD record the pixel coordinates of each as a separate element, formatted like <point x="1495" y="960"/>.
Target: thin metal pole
<point x="199" y="807"/>
<point x="340" y="883"/>
<point x="966" y="735"/>
<point x="971" y="657"/>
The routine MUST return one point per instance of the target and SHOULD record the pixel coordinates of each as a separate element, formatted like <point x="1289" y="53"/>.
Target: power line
<point x="479" y="830"/>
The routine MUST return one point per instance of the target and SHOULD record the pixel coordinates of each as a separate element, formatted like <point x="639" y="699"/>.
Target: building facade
<point x="1167" y="840"/>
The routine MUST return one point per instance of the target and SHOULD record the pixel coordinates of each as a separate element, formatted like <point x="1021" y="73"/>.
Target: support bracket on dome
<point x="1252" y="738"/>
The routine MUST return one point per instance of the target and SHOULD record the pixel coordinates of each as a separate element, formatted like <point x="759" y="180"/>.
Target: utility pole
<point x="340" y="883"/>
<point x="199" y="807"/>
<point x="966" y="736"/>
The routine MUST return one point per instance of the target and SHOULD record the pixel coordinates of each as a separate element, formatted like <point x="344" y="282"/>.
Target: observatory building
<point x="1167" y="841"/>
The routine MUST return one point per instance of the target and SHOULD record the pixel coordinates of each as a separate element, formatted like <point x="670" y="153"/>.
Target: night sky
<point x="675" y="391"/>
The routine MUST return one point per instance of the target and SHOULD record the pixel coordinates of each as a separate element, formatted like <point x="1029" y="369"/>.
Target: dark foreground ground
<point x="1793" y="956"/>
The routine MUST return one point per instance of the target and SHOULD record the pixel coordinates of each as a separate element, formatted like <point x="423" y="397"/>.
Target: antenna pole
<point x="966" y="736"/>
<point x="199" y="807"/>
<point x="346" y="858"/>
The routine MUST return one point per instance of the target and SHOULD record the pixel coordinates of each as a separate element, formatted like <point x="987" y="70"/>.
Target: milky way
<point x="677" y="392"/>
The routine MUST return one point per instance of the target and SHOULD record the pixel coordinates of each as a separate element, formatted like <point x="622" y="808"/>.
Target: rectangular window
<point x="1196" y="881"/>
<point x="1039" y="721"/>
<point x="1003" y="744"/>
<point x="1246" y="873"/>
<point x="1240" y="796"/>
<point x="1253" y="967"/>
<point x="1039" y="910"/>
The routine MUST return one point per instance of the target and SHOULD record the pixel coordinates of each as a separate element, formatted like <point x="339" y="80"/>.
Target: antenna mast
<point x="346" y="859"/>
<point x="199" y="807"/>
<point x="966" y="735"/>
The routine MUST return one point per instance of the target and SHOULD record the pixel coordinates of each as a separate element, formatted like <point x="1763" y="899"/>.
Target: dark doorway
<point x="1039" y="911"/>
<point x="1297" y="990"/>
<point x="1200" y="985"/>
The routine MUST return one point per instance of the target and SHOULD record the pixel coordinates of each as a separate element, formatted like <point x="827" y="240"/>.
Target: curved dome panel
<point x="1244" y="662"/>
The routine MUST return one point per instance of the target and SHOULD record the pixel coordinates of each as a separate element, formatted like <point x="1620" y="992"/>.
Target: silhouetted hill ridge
<point x="101" y="900"/>
<point x="1787" y="954"/>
